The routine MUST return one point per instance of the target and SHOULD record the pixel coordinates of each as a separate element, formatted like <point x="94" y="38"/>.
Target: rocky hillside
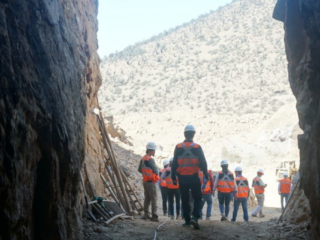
<point x="231" y="61"/>
<point x="224" y="72"/>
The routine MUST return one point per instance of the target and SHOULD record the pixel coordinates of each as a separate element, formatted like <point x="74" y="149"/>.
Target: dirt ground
<point x="256" y="228"/>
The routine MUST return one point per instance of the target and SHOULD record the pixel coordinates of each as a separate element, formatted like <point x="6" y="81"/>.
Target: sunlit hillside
<point x="231" y="61"/>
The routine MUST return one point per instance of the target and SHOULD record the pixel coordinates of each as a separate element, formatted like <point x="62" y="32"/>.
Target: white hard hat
<point x="224" y="162"/>
<point x="285" y="174"/>
<point x="151" y="146"/>
<point x="171" y="159"/>
<point x="238" y="169"/>
<point x="260" y="171"/>
<point x="189" y="128"/>
<point x="165" y="162"/>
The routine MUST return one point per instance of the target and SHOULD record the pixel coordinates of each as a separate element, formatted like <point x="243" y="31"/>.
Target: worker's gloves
<point x="279" y="193"/>
<point x="213" y="193"/>
<point x="175" y="183"/>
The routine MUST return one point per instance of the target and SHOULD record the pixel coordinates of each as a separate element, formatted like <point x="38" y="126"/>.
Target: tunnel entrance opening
<point x="50" y="79"/>
<point x="134" y="72"/>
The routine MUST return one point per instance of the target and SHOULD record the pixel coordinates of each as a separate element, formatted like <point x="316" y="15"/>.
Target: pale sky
<point x="125" y="22"/>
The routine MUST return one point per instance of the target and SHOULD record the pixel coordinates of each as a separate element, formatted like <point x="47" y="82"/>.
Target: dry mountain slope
<point x="229" y="61"/>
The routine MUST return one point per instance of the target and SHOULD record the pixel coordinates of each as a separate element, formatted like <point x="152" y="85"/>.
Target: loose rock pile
<point x="284" y="230"/>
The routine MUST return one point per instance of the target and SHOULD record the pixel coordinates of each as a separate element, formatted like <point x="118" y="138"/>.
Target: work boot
<point x="146" y="217"/>
<point x="262" y="216"/>
<point x="207" y="218"/>
<point x="194" y="223"/>
<point x="155" y="218"/>
<point x="165" y="214"/>
<point x="186" y="224"/>
<point x="253" y="215"/>
<point x="223" y="218"/>
<point x="172" y="217"/>
<point x="178" y="217"/>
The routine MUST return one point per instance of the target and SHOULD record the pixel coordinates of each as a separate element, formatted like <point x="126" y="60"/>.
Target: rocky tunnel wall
<point x="302" y="40"/>
<point x="49" y="80"/>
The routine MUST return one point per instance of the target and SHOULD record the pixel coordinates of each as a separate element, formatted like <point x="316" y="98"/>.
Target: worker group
<point x="186" y="181"/>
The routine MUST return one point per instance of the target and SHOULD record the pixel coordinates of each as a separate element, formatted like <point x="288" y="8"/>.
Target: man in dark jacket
<point x="188" y="160"/>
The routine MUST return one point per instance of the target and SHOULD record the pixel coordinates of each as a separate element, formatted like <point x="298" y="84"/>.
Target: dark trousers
<point x="190" y="203"/>
<point x="164" y="194"/>
<point x="195" y="188"/>
<point x="174" y="193"/>
<point x="224" y="202"/>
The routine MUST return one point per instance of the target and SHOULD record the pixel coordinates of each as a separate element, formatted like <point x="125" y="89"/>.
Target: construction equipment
<point x="106" y="211"/>
<point x="286" y="167"/>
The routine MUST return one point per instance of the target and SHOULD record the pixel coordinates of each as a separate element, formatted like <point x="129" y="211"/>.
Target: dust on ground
<point x="257" y="228"/>
<point x="213" y="229"/>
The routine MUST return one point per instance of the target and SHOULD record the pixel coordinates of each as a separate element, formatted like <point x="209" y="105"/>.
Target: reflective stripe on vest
<point x="243" y="188"/>
<point x="169" y="181"/>
<point x="285" y="186"/>
<point x="147" y="172"/>
<point x="208" y="187"/>
<point x="225" y="184"/>
<point x="257" y="188"/>
<point x="163" y="181"/>
<point x="188" y="163"/>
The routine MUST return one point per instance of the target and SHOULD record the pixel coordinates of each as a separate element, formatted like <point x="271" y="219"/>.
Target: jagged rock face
<point x="298" y="208"/>
<point x="302" y="39"/>
<point x="49" y="78"/>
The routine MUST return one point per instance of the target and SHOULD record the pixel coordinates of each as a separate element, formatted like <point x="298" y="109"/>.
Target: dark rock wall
<point x="49" y="78"/>
<point x="302" y="39"/>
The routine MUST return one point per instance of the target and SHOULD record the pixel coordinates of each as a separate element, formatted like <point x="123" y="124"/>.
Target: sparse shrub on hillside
<point x="237" y="59"/>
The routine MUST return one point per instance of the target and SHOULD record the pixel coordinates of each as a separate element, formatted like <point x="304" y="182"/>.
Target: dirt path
<point x="172" y="229"/>
<point x="256" y="228"/>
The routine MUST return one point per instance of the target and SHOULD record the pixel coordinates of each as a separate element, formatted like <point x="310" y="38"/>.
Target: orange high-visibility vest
<point x="285" y="186"/>
<point x="147" y="173"/>
<point x="163" y="181"/>
<point x="188" y="163"/>
<point x="257" y="188"/>
<point x="207" y="188"/>
<point x="225" y="182"/>
<point x="243" y="188"/>
<point x="169" y="181"/>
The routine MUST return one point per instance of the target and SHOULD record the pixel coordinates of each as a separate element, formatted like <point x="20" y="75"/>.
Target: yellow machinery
<point x="286" y="166"/>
